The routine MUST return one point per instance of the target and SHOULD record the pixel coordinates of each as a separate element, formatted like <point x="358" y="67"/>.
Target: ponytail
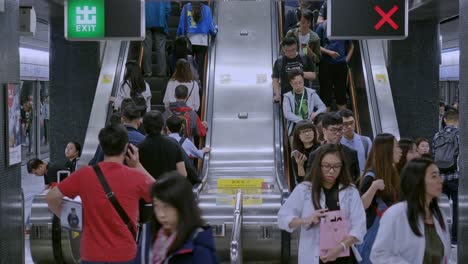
<point x="196" y="11"/>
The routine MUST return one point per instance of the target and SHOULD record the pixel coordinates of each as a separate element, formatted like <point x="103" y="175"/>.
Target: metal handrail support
<point x="236" y="237"/>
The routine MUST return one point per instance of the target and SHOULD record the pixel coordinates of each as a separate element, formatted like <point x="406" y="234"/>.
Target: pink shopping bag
<point x="333" y="229"/>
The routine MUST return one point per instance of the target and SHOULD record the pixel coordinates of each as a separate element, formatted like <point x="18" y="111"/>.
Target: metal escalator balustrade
<point x="243" y="136"/>
<point x="236" y="237"/>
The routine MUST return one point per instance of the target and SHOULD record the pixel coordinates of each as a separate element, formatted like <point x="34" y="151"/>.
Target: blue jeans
<point x="92" y="262"/>
<point x="155" y="38"/>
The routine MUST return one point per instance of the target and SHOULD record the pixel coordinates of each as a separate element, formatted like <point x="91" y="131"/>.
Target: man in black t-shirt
<point x="290" y="61"/>
<point x="158" y="153"/>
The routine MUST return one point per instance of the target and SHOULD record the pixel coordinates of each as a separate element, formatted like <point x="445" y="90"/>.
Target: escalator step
<point x="157" y="83"/>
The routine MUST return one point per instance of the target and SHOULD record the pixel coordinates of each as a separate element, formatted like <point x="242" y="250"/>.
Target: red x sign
<point x="386" y="17"/>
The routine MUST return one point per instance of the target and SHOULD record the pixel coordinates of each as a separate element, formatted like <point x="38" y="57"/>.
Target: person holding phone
<point x="327" y="188"/>
<point x="305" y="140"/>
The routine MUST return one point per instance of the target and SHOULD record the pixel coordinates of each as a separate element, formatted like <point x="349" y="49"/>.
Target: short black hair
<point x="181" y="92"/>
<point x="174" y="124"/>
<point x="331" y="119"/>
<point x="153" y="122"/>
<point x="131" y="112"/>
<point x="33" y="164"/>
<point x="346" y="113"/>
<point x="307" y="15"/>
<point x="318" y="118"/>
<point x="441" y="103"/>
<point x="113" y="140"/>
<point x="451" y="114"/>
<point x="126" y="102"/>
<point x="115" y="119"/>
<point x="288" y="41"/>
<point x="294" y="73"/>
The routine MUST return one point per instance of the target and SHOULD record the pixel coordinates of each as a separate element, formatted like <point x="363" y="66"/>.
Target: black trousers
<point x="333" y="80"/>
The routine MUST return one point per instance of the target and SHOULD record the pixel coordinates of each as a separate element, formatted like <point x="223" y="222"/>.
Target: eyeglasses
<point x="329" y="167"/>
<point x="307" y="131"/>
<point x="336" y="130"/>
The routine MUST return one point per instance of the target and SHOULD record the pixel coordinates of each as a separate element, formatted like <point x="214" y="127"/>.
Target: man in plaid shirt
<point x="446" y="150"/>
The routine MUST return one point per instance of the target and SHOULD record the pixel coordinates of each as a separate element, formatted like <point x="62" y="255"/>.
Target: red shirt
<point x="105" y="236"/>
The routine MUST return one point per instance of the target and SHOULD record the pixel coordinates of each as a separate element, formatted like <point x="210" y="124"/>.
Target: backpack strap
<point x="182" y="140"/>
<point x="366" y="145"/>
<point x="115" y="203"/>
<point x="191" y="90"/>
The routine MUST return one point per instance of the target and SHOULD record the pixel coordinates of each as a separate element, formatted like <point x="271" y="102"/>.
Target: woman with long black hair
<point x="327" y="189"/>
<point x="178" y="234"/>
<point x="133" y="86"/>
<point x="305" y="140"/>
<point x="414" y="230"/>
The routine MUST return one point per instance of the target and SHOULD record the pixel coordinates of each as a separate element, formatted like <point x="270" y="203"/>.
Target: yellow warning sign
<point x="381" y="78"/>
<point x="240" y="183"/>
<point x="246" y="200"/>
<point x="107" y="78"/>
<point x="75" y="234"/>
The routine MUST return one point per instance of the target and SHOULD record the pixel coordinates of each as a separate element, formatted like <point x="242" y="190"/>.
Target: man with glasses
<point x="361" y="144"/>
<point x="290" y="61"/>
<point x="332" y="124"/>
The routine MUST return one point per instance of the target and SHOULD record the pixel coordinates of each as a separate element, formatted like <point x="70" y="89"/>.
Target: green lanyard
<point x="300" y="105"/>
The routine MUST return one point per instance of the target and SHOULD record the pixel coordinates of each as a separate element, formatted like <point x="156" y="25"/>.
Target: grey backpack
<point x="446" y="149"/>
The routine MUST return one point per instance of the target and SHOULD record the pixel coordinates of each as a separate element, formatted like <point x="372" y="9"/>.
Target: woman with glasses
<point x="304" y="142"/>
<point x="415" y="230"/>
<point x="379" y="186"/>
<point x="327" y="189"/>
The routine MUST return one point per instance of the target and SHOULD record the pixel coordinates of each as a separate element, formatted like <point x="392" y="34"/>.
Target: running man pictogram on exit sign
<point x="367" y="19"/>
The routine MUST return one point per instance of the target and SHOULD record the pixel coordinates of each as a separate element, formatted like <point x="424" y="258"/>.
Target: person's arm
<point x="183" y="16"/>
<point x="196" y="96"/>
<point x="287" y="112"/>
<point x="289" y="215"/>
<point x="201" y="129"/>
<point x="276" y="85"/>
<point x="54" y="201"/>
<point x="180" y="167"/>
<point x="369" y="188"/>
<point x="350" y="51"/>
<point x="167" y="9"/>
<point x="314" y="46"/>
<point x="316" y="103"/>
<point x="213" y="27"/>
<point x="148" y="97"/>
<point x="310" y="75"/>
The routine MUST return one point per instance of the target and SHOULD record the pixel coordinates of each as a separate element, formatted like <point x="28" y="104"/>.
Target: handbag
<point x="115" y="203"/>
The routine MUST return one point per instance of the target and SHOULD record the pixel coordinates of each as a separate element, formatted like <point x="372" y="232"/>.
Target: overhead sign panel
<point x="104" y="19"/>
<point x="367" y="19"/>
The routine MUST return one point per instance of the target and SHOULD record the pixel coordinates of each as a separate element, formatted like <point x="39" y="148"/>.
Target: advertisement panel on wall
<point x="13" y="123"/>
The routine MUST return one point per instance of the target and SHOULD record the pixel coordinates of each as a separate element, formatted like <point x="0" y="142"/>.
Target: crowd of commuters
<point x="385" y="191"/>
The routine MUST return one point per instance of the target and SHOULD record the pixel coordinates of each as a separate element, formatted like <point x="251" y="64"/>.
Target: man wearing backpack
<point x="290" y="61"/>
<point x="194" y="127"/>
<point x="446" y="150"/>
<point x="361" y="144"/>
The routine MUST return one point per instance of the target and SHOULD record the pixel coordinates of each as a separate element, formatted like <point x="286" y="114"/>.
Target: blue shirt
<point x="333" y="45"/>
<point x="157" y="13"/>
<point x="357" y="144"/>
<point x="205" y="26"/>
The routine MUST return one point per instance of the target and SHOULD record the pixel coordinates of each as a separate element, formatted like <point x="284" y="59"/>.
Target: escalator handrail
<point x="277" y="111"/>
<point x="235" y="248"/>
<point x="207" y="105"/>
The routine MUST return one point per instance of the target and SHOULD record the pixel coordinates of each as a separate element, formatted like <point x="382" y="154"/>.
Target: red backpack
<point x="184" y="114"/>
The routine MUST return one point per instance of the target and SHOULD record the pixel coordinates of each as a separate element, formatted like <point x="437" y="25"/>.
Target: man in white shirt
<point x="361" y="144"/>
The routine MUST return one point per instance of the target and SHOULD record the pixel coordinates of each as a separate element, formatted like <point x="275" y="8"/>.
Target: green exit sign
<point x="104" y="19"/>
<point x="86" y="19"/>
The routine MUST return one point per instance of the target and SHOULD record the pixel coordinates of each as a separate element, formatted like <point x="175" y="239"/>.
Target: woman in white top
<point x="415" y="230"/>
<point x="327" y="188"/>
<point x="133" y="86"/>
<point x="183" y="75"/>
